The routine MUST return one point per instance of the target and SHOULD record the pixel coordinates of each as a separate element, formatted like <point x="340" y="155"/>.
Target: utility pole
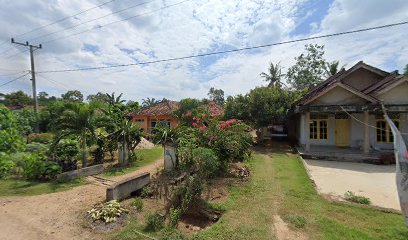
<point x="32" y="49"/>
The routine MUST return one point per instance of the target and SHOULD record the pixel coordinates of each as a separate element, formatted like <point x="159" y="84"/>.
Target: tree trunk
<point x="84" y="161"/>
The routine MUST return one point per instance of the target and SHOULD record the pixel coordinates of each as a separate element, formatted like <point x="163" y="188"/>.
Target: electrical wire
<point x="121" y="20"/>
<point x="91" y="20"/>
<point x="365" y="124"/>
<point x="15" y="79"/>
<point x="60" y="20"/>
<point x="227" y="51"/>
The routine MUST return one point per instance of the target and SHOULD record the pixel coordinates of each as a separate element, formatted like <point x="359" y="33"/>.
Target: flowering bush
<point x="229" y="140"/>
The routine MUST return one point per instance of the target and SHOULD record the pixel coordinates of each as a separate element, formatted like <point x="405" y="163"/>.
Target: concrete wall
<point x="83" y="172"/>
<point x="338" y="95"/>
<point x="396" y="95"/>
<point x="124" y="189"/>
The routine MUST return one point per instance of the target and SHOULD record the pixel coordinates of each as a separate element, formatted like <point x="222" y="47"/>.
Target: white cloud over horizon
<point x="192" y="27"/>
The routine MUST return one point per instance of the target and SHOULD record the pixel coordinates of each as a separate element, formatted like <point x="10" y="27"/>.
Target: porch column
<point x="366" y="146"/>
<point x="307" y="127"/>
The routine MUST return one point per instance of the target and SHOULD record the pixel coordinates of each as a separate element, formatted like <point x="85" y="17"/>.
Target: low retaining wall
<point x="83" y="172"/>
<point x="124" y="189"/>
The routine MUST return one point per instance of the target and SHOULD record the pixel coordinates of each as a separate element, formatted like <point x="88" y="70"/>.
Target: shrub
<point x="207" y="162"/>
<point x="138" y="204"/>
<point x="174" y="217"/>
<point x="36" y="167"/>
<point x="147" y="192"/>
<point x="27" y="119"/>
<point x="6" y="165"/>
<point x="36" y="147"/>
<point x="298" y="221"/>
<point x="45" y="138"/>
<point x="154" y="222"/>
<point x="65" y="152"/>
<point x="352" y="197"/>
<point x="107" y="212"/>
<point x="11" y="141"/>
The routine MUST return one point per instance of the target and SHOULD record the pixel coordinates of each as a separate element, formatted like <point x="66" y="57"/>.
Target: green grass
<point x="279" y="185"/>
<point x="11" y="187"/>
<point x="145" y="157"/>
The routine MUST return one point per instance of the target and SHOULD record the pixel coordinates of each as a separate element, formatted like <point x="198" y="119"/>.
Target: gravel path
<point x="57" y="215"/>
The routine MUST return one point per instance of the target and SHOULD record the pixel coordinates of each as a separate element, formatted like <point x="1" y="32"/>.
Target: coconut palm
<point x="332" y="68"/>
<point x="149" y="101"/>
<point x="77" y="120"/>
<point x="274" y="75"/>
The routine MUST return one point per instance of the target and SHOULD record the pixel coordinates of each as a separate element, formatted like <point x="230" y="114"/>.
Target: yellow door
<point x="342" y="132"/>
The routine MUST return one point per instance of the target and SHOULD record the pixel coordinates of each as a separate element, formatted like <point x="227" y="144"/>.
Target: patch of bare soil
<point x="283" y="232"/>
<point x="55" y="216"/>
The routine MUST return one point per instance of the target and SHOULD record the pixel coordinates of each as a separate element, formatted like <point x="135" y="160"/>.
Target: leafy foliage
<point x="352" y="197"/>
<point x="36" y="147"/>
<point x="154" y="222"/>
<point x="138" y="204"/>
<point x="18" y="98"/>
<point x="45" y="138"/>
<point x="6" y="165"/>
<point x="309" y="68"/>
<point x="36" y="167"/>
<point x="27" y="120"/>
<point x="274" y="75"/>
<point x="11" y="139"/>
<point x="107" y="212"/>
<point x="73" y="95"/>
<point x="149" y="101"/>
<point x="216" y="95"/>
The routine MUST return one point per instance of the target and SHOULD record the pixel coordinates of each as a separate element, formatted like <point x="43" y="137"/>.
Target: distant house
<point x="344" y="112"/>
<point x="160" y="113"/>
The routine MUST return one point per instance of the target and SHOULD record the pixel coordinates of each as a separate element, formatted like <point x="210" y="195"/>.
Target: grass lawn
<point x="145" y="157"/>
<point x="11" y="187"/>
<point x="280" y="185"/>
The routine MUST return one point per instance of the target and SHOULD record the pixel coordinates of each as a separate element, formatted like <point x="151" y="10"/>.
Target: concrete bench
<point x="83" y="172"/>
<point x="124" y="189"/>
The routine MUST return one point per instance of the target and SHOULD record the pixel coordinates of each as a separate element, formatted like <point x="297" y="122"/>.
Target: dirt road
<point x="54" y="216"/>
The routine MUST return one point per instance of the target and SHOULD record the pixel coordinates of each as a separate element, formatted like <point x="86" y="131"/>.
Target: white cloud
<point x="192" y="27"/>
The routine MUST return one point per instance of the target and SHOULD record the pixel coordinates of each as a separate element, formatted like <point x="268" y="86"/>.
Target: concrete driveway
<point x="376" y="182"/>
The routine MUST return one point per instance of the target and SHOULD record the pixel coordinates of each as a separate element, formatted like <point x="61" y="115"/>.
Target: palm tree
<point x="77" y="119"/>
<point x="332" y="68"/>
<point x="274" y="76"/>
<point x="112" y="100"/>
<point x="149" y="101"/>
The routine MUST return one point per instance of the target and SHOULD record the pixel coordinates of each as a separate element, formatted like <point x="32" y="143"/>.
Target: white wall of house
<point x="356" y="132"/>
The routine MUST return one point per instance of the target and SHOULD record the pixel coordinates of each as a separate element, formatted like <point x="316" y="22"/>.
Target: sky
<point x="132" y="31"/>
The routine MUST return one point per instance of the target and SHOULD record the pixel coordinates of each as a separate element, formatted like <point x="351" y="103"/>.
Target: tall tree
<point x="216" y="95"/>
<point x="274" y="75"/>
<point x="406" y="70"/>
<point x="332" y="68"/>
<point x="100" y="98"/>
<point x="309" y="68"/>
<point x="149" y="101"/>
<point x="17" y="98"/>
<point x="73" y="95"/>
<point x="77" y="119"/>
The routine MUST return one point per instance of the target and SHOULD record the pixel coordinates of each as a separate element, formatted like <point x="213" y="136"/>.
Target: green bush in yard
<point x="37" y="167"/>
<point x="66" y="149"/>
<point x="138" y="204"/>
<point x="352" y="197"/>
<point x="6" y="165"/>
<point x="36" y="147"/>
<point x="154" y="222"/>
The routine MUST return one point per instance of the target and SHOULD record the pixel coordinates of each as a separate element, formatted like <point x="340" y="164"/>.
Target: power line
<point x="60" y="20"/>
<point x="122" y="20"/>
<point x="368" y="125"/>
<point x="227" y="51"/>
<point x="15" y="79"/>
<point x="92" y="20"/>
